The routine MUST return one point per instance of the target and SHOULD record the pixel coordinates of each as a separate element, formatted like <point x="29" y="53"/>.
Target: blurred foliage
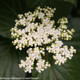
<point x="74" y="2"/>
<point x="10" y="57"/>
<point x="76" y="10"/>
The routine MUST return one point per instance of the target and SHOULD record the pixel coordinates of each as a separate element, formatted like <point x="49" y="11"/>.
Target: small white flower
<point x="22" y="21"/>
<point x="20" y="15"/>
<point x="30" y="17"/>
<point x="41" y="15"/>
<point x="41" y="65"/>
<point x="23" y="64"/>
<point x="72" y="50"/>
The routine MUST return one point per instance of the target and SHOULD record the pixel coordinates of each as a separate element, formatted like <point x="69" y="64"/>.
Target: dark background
<point x="10" y="57"/>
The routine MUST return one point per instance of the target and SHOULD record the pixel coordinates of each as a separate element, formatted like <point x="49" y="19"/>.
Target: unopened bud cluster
<point x="36" y="30"/>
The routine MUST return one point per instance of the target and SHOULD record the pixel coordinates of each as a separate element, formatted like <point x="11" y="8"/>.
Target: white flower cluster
<point x="36" y="30"/>
<point x="61" y="53"/>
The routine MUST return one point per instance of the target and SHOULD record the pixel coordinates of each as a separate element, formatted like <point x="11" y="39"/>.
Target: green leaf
<point x="10" y="8"/>
<point x="74" y="2"/>
<point x="8" y="13"/>
<point x="71" y="69"/>
<point x="9" y="60"/>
